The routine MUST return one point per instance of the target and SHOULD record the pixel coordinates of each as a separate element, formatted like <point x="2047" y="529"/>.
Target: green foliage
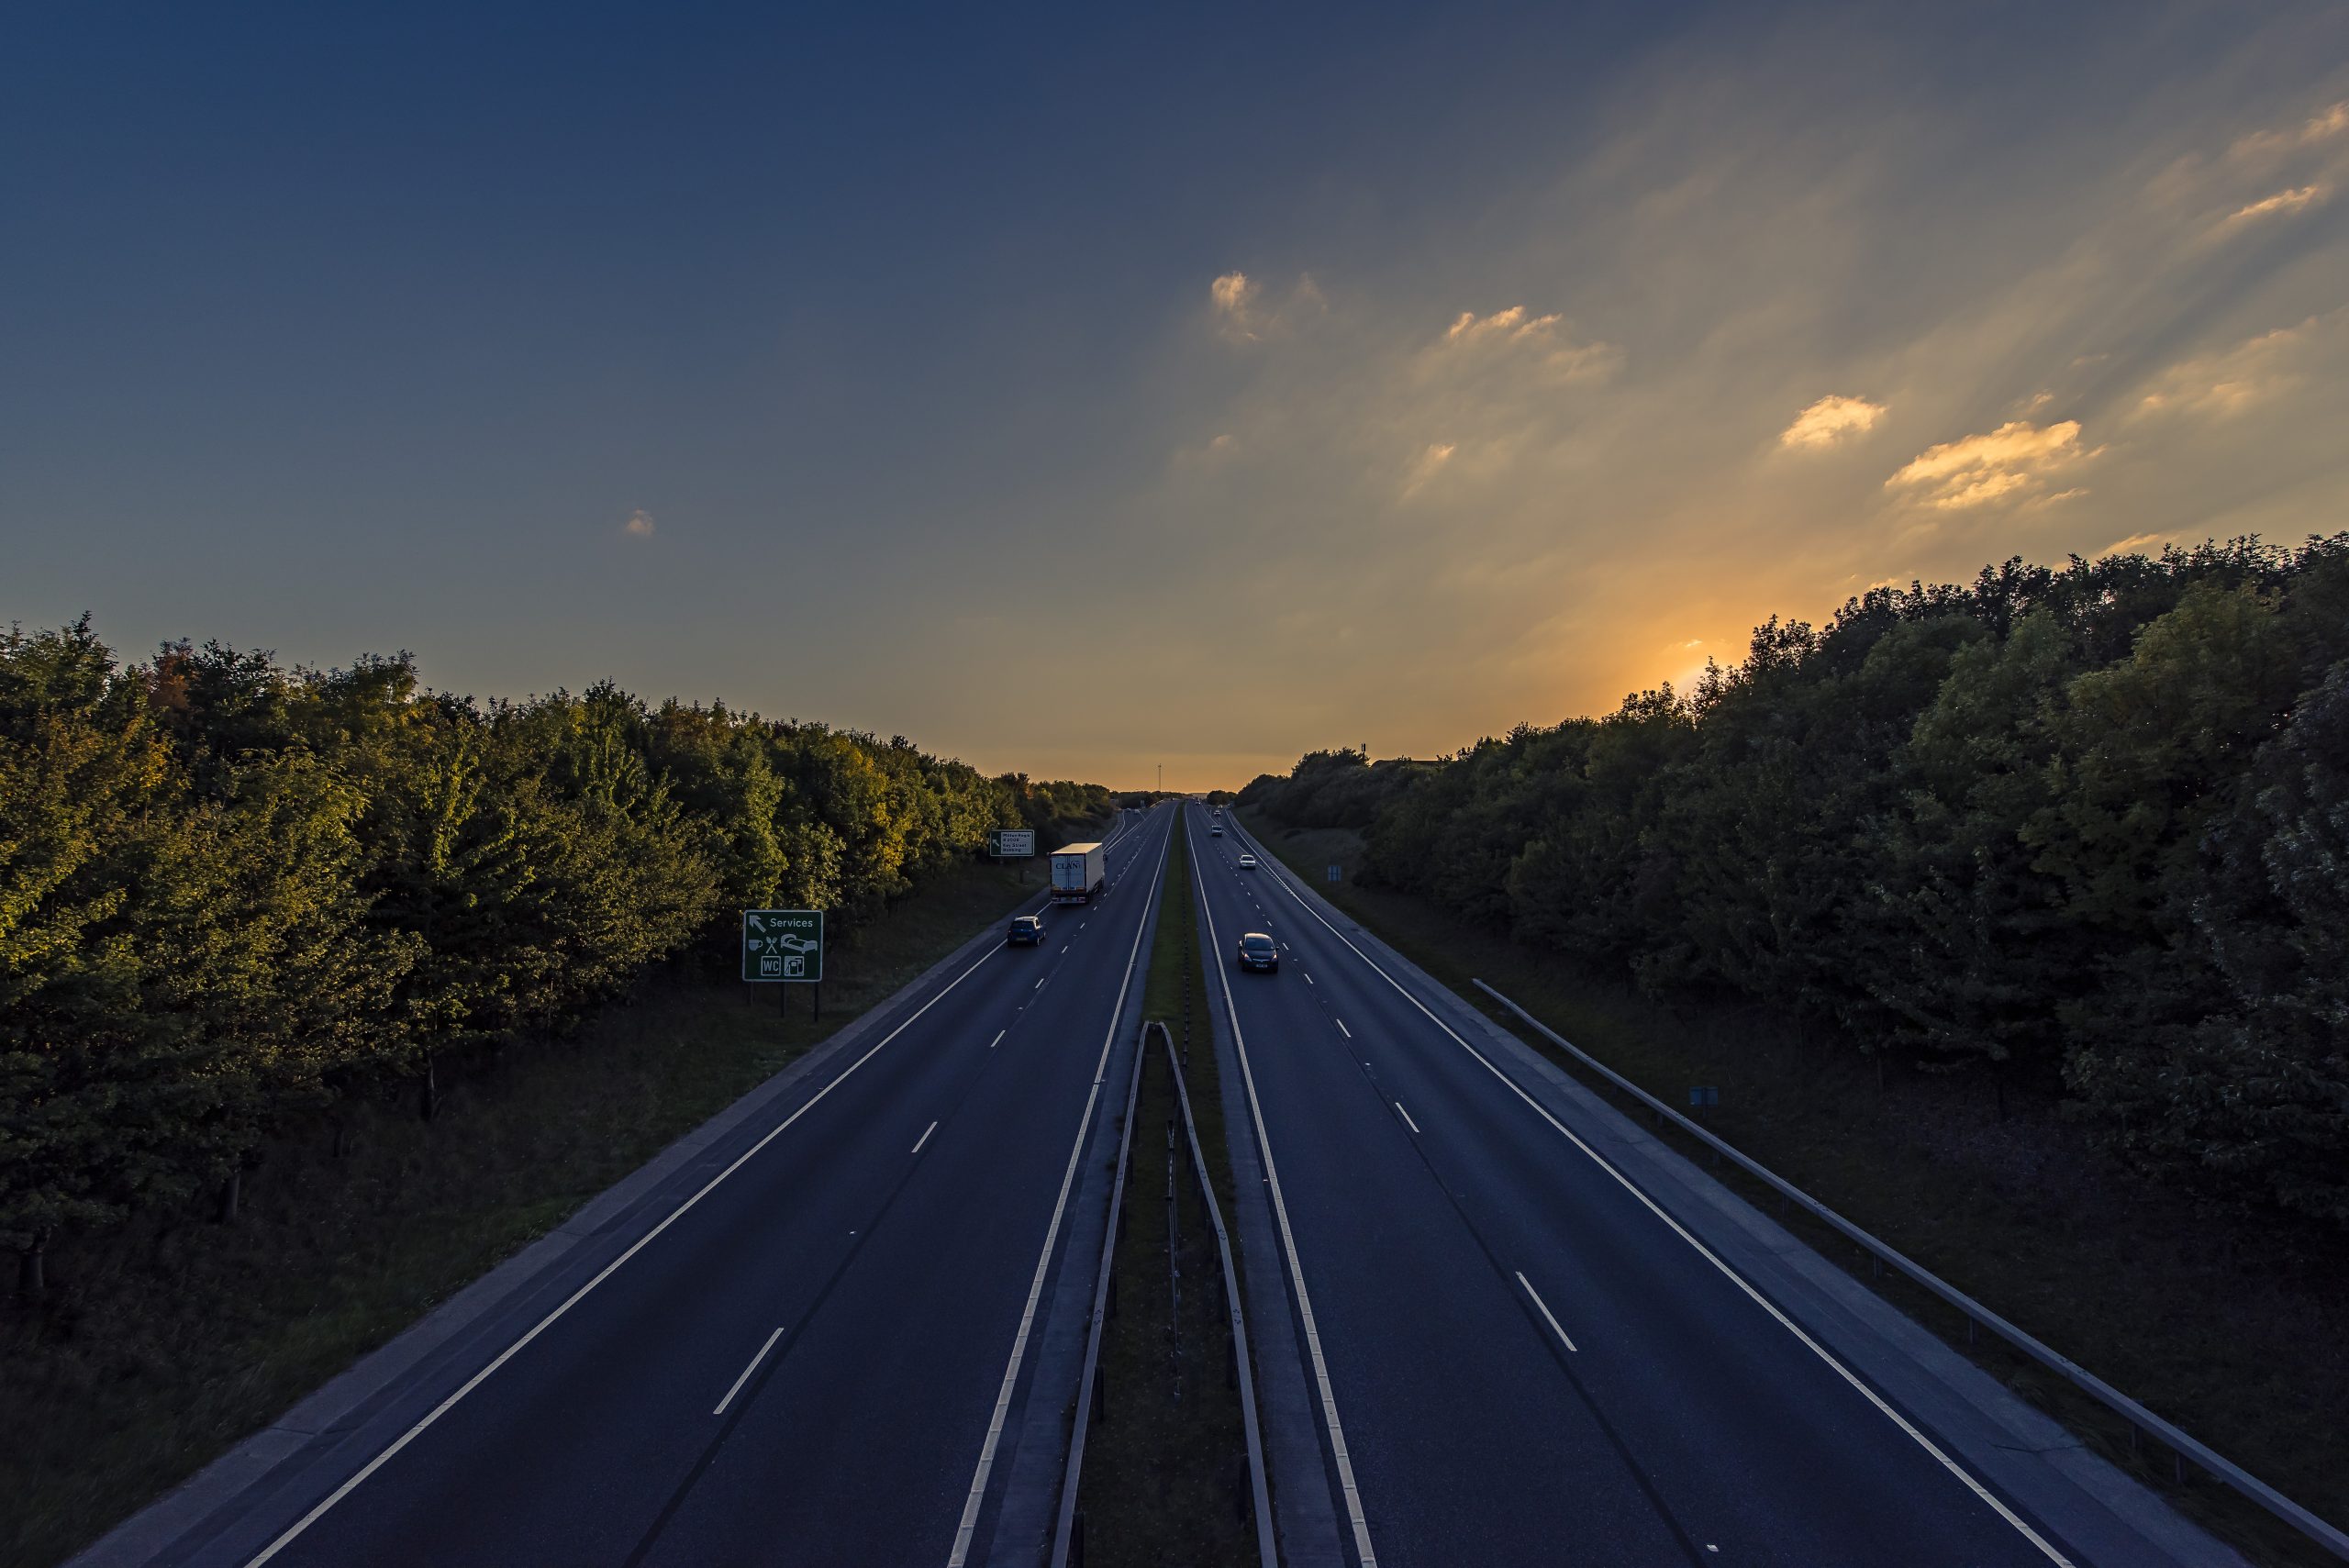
<point x="2086" y="826"/>
<point x="231" y="892"/>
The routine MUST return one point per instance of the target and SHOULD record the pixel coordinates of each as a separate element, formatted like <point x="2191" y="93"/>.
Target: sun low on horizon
<point x="1340" y="379"/>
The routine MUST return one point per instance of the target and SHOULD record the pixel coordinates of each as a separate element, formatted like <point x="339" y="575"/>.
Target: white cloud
<point x="1831" y="419"/>
<point x="639" y="524"/>
<point x="1977" y="470"/>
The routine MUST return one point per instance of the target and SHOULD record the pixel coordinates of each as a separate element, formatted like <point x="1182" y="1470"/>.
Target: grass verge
<point x="164" y="1344"/>
<point x="1166" y="1476"/>
<point x="2235" y="1327"/>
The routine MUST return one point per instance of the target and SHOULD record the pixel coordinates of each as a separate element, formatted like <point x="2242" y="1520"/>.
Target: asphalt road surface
<point x="1514" y="1355"/>
<point x="811" y="1361"/>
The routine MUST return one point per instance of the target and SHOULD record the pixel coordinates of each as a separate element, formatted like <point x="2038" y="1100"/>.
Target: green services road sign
<point x="782" y="944"/>
<point x="1012" y="843"/>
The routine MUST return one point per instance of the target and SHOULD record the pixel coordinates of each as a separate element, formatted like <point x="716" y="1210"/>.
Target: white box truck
<point x="1078" y="871"/>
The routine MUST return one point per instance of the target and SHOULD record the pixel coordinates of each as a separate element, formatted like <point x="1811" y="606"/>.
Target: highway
<point x="1513" y="1354"/>
<point x="819" y="1344"/>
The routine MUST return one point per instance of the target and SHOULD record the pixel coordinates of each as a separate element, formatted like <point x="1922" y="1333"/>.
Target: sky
<point x="1082" y="392"/>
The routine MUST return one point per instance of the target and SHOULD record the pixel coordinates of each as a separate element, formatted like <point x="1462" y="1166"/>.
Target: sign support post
<point x="784" y="948"/>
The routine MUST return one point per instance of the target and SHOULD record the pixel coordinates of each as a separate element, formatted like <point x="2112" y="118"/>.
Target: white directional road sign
<point x="1012" y="843"/>
<point x="784" y="945"/>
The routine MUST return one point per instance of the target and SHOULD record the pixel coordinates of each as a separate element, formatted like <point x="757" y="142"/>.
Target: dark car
<point x="1027" y="931"/>
<point x="1257" y="952"/>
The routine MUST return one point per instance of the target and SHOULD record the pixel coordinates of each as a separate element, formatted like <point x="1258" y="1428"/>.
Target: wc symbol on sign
<point x="770" y="966"/>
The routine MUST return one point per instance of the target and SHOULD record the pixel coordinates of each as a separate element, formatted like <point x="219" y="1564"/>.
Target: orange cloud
<point x="1977" y="470"/>
<point x="1431" y="462"/>
<point x="1831" y="419"/>
<point x="2280" y="203"/>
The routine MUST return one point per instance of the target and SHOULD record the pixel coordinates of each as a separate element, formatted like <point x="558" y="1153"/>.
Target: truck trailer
<point x="1078" y="873"/>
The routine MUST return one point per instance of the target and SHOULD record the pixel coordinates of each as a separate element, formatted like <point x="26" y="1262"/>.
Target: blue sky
<point x="1076" y="392"/>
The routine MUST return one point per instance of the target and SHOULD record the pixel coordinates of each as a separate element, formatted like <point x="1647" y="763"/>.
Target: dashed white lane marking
<point x="1040" y="984"/>
<point x="1415" y="1128"/>
<point x="1547" y="1317"/>
<point x="999" y="1036"/>
<point x="925" y="1137"/>
<point x="1308" y="979"/>
<point x="1341" y="1027"/>
<point x="1064" y="947"/>
<point x="747" y="1372"/>
<point x="1965" y="1477"/>
<point x="358" y="1478"/>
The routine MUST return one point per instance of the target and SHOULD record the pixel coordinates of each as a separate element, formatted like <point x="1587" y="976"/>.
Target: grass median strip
<point x="2233" y="1329"/>
<point x="1165" y="1472"/>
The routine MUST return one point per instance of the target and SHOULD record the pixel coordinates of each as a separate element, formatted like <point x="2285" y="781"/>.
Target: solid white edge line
<point x="373" y="1465"/>
<point x="748" y="1370"/>
<point x="924" y="1138"/>
<point x="1295" y="1269"/>
<point x="1547" y="1316"/>
<point x="2021" y="1526"/>
<point x="970" y="1522"/>
<point x="1406" y="1118"/>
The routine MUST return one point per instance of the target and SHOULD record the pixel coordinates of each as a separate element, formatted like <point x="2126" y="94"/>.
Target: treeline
<point x="2089" y="824"/>
<point x="231" y="891"/>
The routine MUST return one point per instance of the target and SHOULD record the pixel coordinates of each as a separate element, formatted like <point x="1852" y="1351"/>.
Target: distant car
<point x="1216" y="830"/>
<point x="1257" y="952"/>
<point x="1247" y="863"/>
<point x="1027" y="931"/>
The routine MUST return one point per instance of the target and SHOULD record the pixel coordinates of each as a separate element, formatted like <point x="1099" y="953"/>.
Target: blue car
<point x="1257" y="952"/>
<point x="1027" y="931"/>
